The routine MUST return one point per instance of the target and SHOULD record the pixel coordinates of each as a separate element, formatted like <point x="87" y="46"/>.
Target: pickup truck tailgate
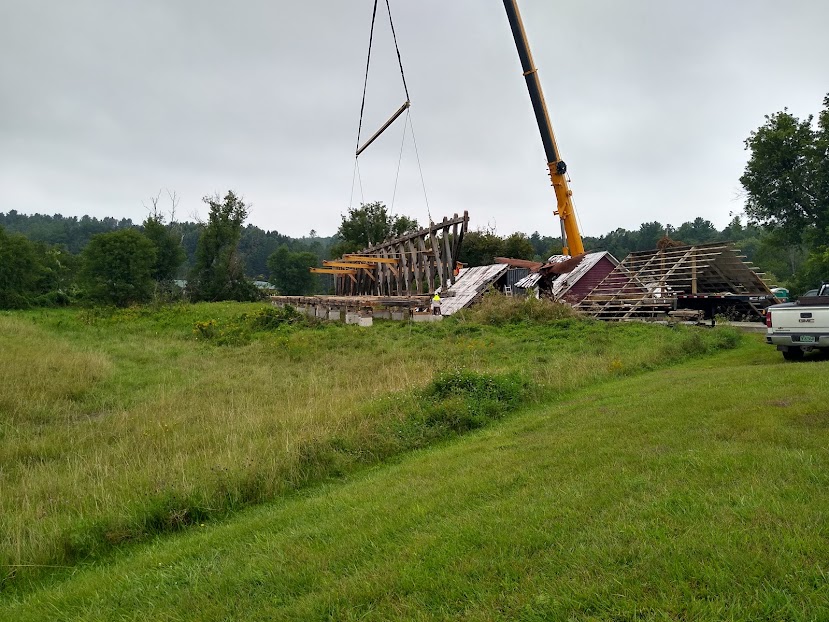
<point x="799" y="319"/>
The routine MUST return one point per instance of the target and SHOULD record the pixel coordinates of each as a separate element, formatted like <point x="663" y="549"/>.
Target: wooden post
<point x="416" y="265"/>
<point x="428" y="264"/>
<point x="694" y="271"/>
<point x="450" y="269"/>
<point x="438" y="260"/>
<point x="405" y="268"/>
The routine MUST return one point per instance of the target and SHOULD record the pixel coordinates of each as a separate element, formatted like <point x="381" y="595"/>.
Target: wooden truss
<point x="412" y="264"/>
<point x="646" y="283"/>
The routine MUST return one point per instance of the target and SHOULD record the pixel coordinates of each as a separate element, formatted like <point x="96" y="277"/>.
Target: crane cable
<point x="356" y="175"/>
<point x="368" y="65"/>
<point x="365" y="82"/>
<point x="397" y="49"/>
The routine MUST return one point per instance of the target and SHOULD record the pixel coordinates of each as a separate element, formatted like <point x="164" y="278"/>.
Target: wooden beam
<point x="423" y="232"/>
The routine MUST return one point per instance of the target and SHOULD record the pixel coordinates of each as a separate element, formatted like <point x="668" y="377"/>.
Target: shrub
<point x="239" y="331"/>
<point x="463" y="400"/>
<point x="269" y="318"/>
<point x="497" y="309"/>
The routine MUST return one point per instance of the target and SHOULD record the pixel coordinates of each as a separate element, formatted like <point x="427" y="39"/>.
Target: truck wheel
<point x="793" y="354"/>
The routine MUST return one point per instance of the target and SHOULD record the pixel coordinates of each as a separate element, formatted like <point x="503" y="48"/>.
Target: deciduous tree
<point x="19" y="271"/>
<point x="117" y="268"/>
<point x="169" y="253"/>
<point x="786" y="181"/>
<point x="479" y="248"/>
<point x="518" y="246"/>
<point x="218" y="273"/>
<point x="368" y="225"/>
<point x="783" y="177"/>
<point x="290" y="272"/>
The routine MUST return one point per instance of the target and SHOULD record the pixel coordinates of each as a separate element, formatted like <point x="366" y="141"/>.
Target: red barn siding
<point x="586" y="283"/>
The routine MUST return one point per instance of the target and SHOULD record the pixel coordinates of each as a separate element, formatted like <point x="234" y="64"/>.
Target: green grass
<point x="696" y="492"/>
<point x="118" y="425"/>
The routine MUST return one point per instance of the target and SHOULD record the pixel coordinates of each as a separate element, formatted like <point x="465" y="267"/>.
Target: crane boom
<point x="558" y="169"/>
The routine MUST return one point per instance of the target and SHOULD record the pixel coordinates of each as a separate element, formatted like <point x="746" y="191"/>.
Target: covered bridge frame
<point x="412" y="264"/>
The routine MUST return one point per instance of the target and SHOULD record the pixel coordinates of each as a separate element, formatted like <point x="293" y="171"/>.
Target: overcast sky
<point x="104" y="103"/>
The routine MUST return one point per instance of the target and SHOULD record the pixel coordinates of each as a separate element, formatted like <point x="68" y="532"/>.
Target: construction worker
<point x="436" y="304"/>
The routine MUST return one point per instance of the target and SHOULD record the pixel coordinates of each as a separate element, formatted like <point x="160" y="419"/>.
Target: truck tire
<point x="793" y="354"/>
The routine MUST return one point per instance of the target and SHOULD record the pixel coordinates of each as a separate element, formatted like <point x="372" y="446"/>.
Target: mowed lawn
<point x="696" y="492"/>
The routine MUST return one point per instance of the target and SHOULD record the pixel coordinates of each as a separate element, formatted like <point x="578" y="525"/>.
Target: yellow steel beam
<point x="332" y="271"/>
<point x="371" y="259"/>
<point x="348" y="264"/>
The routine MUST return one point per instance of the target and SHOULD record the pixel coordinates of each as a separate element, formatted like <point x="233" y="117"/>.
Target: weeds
<point x="240" y="331"/>
<point x="140" y="431"/>
<point x="496" y="309"/>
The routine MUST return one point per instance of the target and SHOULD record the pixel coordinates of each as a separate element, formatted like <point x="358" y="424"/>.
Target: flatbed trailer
<point x="733" y="306"/>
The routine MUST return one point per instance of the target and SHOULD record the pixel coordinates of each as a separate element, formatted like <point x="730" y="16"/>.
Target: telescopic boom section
<point x="558" y="169"/>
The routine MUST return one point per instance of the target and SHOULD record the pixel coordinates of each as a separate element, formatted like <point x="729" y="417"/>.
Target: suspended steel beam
<point x="384" y="128"/>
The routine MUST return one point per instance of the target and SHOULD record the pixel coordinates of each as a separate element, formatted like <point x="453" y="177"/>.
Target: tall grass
<point x="697" y="492"/>
<point x="115" y="425"/>
<point x="497" y="309"/>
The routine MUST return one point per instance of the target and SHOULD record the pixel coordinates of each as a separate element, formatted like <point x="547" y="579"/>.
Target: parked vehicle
<point x="800" y="327"/>
<point x="781" y="293"/>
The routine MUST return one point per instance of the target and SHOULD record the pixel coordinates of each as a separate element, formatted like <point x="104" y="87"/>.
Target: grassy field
<point x="119" y="425"/>
<point x="694" y="492"/>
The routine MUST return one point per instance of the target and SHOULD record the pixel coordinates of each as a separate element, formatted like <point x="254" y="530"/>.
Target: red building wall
<point x="586" y="283"/>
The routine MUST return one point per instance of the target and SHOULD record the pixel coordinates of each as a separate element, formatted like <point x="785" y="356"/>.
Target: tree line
<point x="55" y="260"/>
<point x="124" y="264"/>
<point x="73" y="234"/>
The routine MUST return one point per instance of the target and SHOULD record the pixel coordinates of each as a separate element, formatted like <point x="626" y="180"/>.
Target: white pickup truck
<point x="799" y="327"/>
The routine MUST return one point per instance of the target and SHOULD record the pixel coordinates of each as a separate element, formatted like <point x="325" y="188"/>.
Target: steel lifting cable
<point x="405" y="105"/>
<point x="399" y="162"/>
<point x="365" y="83"/>
<point x="403" y="108"/>
<point x="408" y="117"/>
<point x="397" y="49"/>
<point x="420" y="169"/>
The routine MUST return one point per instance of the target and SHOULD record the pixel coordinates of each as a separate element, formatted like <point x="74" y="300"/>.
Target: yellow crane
<point x="558" y="169"/>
